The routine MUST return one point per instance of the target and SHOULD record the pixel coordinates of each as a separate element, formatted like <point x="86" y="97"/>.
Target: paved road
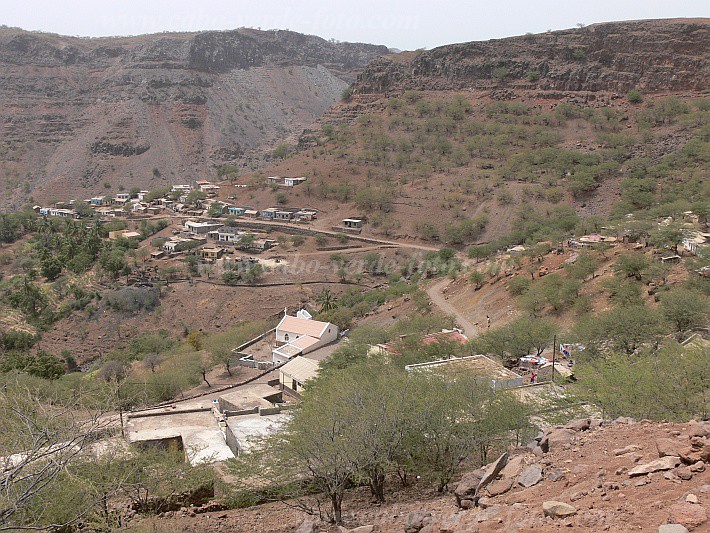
<point x="439" y="299"/>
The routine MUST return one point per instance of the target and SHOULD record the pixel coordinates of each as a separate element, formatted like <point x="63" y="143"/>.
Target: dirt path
<point x="435" y="292"/>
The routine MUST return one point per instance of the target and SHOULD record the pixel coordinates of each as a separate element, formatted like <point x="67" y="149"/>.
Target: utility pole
<point x="554" y="349"/>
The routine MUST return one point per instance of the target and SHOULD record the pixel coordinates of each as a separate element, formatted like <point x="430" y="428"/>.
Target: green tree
<point x="632" y="265"/>
<point x="685" y="309"/>
<point x="621" y="329"/>
<point x="667" y="384"/>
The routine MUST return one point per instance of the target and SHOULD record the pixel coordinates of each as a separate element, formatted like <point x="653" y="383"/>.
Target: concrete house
<point x="292" y="182"/>
<point x="200" y="228"/>
<point x="298" y="335"/>
<point x="211" y="253"/>
<point x="478" y="366"/>
<point x="269" y="213"/>
<point x="294" y="374"/>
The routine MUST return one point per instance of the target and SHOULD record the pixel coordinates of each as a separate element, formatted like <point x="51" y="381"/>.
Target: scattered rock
<point x="670" y="447"/>
<point x="492" y="472"/>
<point x="699" y="429"/>
<point x="489" y="513"/>
<point x="307" y="526"/>
<point x="450" y="524"/>
<point x="698" y="467"/>
<point x="416" y="520"/>
<point x="485" y="503"/>
<point x="555" y="475"/>
<point x="672" y="528"/>
<point x="625" y="450"/>
<point x="500" y="486"/>
<point x="664" y="463"/>
<point x="578" y="496"/>
<point x="688" y="514"/>
<point x="466" y="488"/>
<point x="555" y="438"/>
<point x="514" y="467"/>
<point x="691" y="498"/>
<point x="581" y="424"/>
<point x="684" y="473"/>
<point x="555" y="509"/>
<point x="532" y="475"/>
<point x="361" y="529"/>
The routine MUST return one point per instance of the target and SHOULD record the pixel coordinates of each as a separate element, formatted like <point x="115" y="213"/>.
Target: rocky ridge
<point x="651" y="55"/>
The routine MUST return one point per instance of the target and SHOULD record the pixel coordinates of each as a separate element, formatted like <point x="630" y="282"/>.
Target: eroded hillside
<point x="76" y="114"/>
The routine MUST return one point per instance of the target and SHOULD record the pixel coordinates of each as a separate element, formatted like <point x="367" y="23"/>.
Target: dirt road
<point x="439" y="298"/>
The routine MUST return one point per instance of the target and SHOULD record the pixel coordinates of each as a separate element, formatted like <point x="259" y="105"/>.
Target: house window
<point x="286" y="337"/>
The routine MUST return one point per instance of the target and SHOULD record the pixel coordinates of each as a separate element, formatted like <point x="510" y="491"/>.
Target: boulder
<point x="556" y="475"/>
<point x="699" y="429"/>
<point x="595" y="423"/>
<point x="492" y="471"/>
<point x="466" y="488"/>
<point x="688" y="514"/>
<point x="581" y="424"/>
<point x="671" y="447"/>
<point x="698" y="467"/>
<point x="556" y="437"/>
<point x="450" y="524"/>
<point x="684" y="473"/>
<point x="514" y="467"/>
<point x="672" y="528"/>
<point x="664" y="463"/>
<point x="532" y="475"/>
<point x="555" y="509"/>
<point x="500" y="486"/>
<point x="417" y="520"/>
<point x="696" y="453"/>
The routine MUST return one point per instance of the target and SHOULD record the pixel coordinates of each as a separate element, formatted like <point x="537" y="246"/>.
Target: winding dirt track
<point x="435" y="293"/>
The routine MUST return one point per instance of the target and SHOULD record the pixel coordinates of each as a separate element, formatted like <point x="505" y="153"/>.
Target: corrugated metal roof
<point x="300" y="368"/>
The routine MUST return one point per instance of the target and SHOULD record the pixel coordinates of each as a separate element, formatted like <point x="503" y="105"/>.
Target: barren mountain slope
<point x="150" y="110"/>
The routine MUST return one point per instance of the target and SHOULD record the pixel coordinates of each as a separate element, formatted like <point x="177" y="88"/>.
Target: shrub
<point x="634" y="96"/>
<point x="133" y="299"/>
<point x="533" y="76"/>
<point x="519" y="285"/>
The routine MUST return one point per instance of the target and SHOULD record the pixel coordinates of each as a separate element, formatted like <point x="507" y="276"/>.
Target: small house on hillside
<point x="199" y="228"/>
<point x="211" y="253"/>
<point x="294" y="374"/>
<point x="476" y="366"/>
<point x="288" y="181"/>
<point x="445" y="337"/>
<point x="298" y="335"/>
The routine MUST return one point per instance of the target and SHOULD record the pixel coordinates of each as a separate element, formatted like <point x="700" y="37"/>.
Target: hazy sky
<point x="406" y="25"/>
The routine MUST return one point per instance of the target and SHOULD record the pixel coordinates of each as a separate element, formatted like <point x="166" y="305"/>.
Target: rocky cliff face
<point x="652" y="55"/>
<point x="78" y="113"/>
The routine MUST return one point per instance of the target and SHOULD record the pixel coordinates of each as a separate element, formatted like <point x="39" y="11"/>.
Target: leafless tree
<point x="39" y="438"/>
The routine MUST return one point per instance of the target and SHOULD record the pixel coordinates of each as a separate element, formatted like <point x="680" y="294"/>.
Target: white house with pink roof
<point x="300" y="334"/>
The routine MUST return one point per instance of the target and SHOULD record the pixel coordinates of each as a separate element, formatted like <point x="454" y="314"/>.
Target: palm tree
<point x="326" y="301"/>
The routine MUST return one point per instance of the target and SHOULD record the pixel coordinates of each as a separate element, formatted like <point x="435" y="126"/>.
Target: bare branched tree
<point x="39" y="438"/>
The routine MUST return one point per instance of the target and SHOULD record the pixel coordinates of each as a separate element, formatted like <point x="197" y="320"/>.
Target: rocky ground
<point x="588" y="475"/>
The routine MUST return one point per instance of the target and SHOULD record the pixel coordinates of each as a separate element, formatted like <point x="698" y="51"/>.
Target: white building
<point x="298" y="335"/>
